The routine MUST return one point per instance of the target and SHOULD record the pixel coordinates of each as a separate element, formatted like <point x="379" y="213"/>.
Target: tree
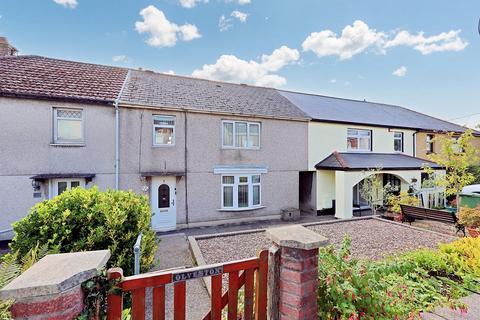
<point x="457" y="155"/>
<point x="373" y="190"/>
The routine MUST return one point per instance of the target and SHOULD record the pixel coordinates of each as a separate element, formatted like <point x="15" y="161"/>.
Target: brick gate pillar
<point x="51" y="288"/>
<point x="293" y="274"/>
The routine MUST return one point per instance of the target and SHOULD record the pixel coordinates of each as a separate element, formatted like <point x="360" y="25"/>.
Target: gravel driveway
<point x="371" y="238"/>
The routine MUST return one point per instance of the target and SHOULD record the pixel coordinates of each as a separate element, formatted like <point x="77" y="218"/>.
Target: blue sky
<point x="342" y="48"/>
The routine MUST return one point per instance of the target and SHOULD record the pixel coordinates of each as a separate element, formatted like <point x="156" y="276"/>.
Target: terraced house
<point x="350" y="140"/>
<point x="204" y="152"/>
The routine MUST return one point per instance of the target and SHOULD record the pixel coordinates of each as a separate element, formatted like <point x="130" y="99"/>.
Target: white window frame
<point x="235" y="185"/>
<point x="55" y="126"/>
<point x="402" y="140"/>
<point x="161" y="126"/>
<point x="234" y="139"/>
<point x="370" y="149"/>
<point x="53" y="185"/>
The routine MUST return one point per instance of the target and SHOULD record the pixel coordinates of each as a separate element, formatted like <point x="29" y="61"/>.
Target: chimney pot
<point x="6" y="49"/>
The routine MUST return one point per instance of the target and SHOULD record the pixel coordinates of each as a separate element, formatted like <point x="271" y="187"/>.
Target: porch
<point x="339" y="179"/>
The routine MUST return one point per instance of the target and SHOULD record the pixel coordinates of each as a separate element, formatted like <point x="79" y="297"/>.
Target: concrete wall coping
<point x="56" y="273"/>
<point x="296" y="237"/>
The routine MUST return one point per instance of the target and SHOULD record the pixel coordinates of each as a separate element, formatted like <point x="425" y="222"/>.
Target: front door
<point x="163" y="203"/>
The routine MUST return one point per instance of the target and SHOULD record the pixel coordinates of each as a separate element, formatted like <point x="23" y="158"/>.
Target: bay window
<point x="240" y="134"/>
<point x="241" y="191"/>
<point x="359" y="140"/>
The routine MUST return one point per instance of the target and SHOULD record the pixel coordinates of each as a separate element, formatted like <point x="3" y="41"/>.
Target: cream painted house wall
<point x="324" y="138"/>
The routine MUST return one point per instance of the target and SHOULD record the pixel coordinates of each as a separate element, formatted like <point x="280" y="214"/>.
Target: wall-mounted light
<point x="35" y="185"/>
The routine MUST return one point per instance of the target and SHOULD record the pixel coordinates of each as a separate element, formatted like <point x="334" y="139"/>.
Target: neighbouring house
<point x="204" y="152"/>
<point x="348" y="139"/>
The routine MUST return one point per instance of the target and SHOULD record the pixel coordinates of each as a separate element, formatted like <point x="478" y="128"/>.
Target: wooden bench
<point x="411" y="213"/>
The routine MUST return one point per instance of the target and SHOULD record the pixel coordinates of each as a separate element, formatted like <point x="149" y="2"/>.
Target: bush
<point x="87" y="219"/>
<point x="469" y="217"/>
<point x="394" y="201"/>
<point x="397" y="287"/>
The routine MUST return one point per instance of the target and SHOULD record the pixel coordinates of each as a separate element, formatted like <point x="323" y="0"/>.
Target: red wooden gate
<point x="243" y="273"/>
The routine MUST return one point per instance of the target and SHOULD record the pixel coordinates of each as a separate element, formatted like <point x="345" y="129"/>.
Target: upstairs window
<point x="240" y="134"/>
<point x="68" y="126"/>
<point x="241" y="191"/>
<point x="429" y="143"/>
<point x="163" y="130"/>
<point x="398" y="141"/>
<point x="359" y="140"/>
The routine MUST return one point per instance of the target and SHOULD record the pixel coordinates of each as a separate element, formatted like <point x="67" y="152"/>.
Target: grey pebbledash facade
<point x="198" y="170"/>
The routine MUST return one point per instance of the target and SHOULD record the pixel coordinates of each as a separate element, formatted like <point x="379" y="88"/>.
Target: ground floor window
<point x="58" y="186"/>
<point x="241" y="191"/>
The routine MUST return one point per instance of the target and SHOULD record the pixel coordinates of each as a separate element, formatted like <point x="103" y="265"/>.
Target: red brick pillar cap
<point x="56" y="273"/>
<point x="296" y="237"/>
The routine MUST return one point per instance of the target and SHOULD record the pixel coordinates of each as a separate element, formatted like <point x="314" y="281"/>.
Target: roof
<point x="47" y="176"/>
<point x="46" y="78"/>
<point x="350" y="161"/>
<point x="331" y="109"/>
<point x="147" y="88"/>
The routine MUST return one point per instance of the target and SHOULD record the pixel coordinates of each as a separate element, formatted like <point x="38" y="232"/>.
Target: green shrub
<point x="469" y="217"/>
<point x="394" y="201"/>
<point x="397" y="287"/>
<point x="87" y="219"/>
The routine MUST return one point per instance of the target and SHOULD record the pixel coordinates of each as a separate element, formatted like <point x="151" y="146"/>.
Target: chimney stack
<point x="6" y="49"/>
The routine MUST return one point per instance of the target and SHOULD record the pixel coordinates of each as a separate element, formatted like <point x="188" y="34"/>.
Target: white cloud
<point x="232" y="69"/>
<point x="191" y="3"/>
<point x="333" y="81"/>
<point x="353" y="40"/>
<point x="162" y="32"/>
<point x="171" y="72"/>
<point x="445" y="41"/>
<point x="120" y="58"/>
<point x="225" y="23"/>
<point x="241" y="16"/>
<point x="67" y="3"/>
<point x="400" y="72"/>
<point x="240" y="2"/>
<point x="359" y="37"/>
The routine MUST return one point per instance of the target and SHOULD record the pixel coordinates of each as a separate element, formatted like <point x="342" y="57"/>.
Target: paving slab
<point x="174" y="252"/>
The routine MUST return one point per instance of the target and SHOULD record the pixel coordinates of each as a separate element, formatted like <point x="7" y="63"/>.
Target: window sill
<point x="163" y="146"/>
<point x="241" y="209"/>
<point x="67" y="144"/>
<point x="235" y="148"/>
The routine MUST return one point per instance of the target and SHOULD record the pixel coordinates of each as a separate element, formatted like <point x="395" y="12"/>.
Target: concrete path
<point x="473" y="303"/>
<point x="173" y="252"/>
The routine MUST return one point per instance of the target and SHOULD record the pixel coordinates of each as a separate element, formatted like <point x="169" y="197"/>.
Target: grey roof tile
<point x="161" y="90"/>
<point x="354" y="161"/>
<point x="331" y="109"/>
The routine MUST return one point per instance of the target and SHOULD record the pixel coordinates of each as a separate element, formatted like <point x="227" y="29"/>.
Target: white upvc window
<point x="359" y="140"/>
<point x="68" y="126"/>
<point x="398" y="141"/>
<point x="241" y="191"/>
<point x="58" y="186"/>
<point x="240" y="134"/>
<point x="163" y="130"/>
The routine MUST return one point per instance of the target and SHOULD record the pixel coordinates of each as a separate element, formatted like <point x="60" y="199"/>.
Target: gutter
<point x="117" y="131"/>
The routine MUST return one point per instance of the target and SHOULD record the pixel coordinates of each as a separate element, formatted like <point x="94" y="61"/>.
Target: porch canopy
<point x="339" y="172"/>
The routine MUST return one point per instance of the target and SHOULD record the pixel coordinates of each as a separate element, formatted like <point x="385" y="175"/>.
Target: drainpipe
<point x="117" y="132"/>
<point x="415" y="143"/>
<point x="186" y="166"/>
